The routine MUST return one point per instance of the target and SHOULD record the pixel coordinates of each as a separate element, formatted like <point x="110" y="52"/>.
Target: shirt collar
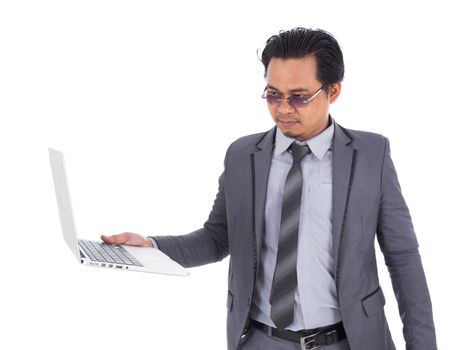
<point x="318" y="144"/>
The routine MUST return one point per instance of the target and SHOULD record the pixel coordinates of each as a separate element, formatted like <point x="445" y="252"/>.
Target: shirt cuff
<point x="154" y="243"/>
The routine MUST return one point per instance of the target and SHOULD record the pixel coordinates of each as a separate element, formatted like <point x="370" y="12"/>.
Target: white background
<point x="144" y="97"/>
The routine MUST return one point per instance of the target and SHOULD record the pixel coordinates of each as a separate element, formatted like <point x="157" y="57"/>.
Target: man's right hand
<point x="128" y="238"/>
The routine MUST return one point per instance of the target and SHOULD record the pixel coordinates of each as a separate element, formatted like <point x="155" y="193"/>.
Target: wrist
<point x="148" y="243"/>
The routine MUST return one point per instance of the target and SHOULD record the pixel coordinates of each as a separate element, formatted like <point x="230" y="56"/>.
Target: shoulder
<point x="249" y="143"/>
<point x="363" y="140"/>
<point x="241" y="149"/>
<point x="371" y="147"/>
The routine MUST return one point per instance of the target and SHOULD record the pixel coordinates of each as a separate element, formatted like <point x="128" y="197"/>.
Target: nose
<point x="285" y="107"/>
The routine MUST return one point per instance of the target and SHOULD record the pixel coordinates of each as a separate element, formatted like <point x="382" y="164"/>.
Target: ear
<point x="334" y="92"/>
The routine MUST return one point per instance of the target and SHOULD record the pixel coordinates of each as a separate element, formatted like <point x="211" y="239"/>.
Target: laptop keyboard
<point x="103" y="252"/>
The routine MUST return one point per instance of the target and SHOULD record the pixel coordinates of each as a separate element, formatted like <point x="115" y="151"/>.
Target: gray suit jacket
<point x="367" y="202"/>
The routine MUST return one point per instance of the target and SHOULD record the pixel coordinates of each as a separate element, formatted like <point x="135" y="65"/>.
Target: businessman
<point x="298" y="210"/>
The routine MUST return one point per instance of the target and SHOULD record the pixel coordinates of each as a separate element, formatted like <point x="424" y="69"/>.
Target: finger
<point x="107" y="239"/>
<point x="115" y="239"/>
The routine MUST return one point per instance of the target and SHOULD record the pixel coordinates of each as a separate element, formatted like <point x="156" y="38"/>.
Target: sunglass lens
<point x="296" y="101"/>
<point x="273" y="100"/>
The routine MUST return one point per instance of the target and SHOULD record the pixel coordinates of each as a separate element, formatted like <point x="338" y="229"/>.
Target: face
<point x="297" y="76"/>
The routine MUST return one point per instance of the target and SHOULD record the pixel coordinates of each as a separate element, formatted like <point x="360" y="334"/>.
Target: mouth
<point x="287" y="124"/>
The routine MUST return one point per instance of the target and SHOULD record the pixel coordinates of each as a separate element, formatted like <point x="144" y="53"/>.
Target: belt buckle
<point x="309" y="340"/>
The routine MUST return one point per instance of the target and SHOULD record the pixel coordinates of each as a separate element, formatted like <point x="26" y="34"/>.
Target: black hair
<point x="302" y="42"/>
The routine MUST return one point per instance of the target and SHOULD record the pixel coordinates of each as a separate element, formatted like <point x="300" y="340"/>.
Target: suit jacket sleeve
<point x="399" y="246"/>
<point x="206" y="245"/>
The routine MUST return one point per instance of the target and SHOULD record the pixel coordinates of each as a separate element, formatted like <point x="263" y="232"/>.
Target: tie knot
<point x="299" y="151"/>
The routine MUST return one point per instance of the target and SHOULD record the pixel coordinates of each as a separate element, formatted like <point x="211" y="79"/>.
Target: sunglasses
<point x="296" y="101"/>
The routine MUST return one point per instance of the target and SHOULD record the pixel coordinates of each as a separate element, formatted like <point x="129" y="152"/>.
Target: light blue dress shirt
<point x="316" y="298"/>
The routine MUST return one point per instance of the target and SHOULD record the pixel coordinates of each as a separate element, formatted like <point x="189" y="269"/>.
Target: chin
<point x="290" y="133"/>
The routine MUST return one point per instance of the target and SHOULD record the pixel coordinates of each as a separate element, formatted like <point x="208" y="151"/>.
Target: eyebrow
<point x="290" y="91"/>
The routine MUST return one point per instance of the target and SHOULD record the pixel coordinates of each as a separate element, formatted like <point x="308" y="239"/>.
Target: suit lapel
<point x="342" y="169"/>
<point x="261" y="164"/>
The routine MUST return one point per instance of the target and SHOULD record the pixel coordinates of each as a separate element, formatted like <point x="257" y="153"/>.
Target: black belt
<point x="308" y="339"/>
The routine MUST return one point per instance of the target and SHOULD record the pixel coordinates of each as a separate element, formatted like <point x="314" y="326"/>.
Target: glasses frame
<point x="303" y="103"/>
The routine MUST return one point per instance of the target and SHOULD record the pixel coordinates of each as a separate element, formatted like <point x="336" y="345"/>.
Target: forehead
<point x="292" y="73"/>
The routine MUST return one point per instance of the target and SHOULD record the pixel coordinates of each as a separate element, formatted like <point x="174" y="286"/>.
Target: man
<point x="298" y="209"/>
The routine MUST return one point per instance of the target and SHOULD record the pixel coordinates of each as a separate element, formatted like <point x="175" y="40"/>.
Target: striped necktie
<point x="284" y="282"/>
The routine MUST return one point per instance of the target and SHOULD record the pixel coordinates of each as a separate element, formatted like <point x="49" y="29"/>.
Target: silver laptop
<point x="100" y="254"/>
